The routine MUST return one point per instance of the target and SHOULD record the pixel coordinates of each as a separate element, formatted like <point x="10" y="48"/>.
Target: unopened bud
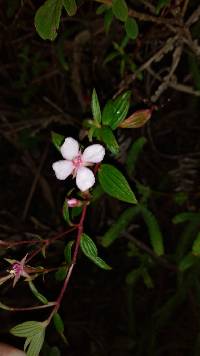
<point x="74" y="203"/>
<point x="138" y="119"/>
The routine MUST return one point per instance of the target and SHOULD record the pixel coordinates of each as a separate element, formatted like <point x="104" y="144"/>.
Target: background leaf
<point x="70" y="7"/>
<point x="47" y="19"/>
<point x="96" y="111"/>
<point x="131" y="28"/>
<point x="120" y="9"/>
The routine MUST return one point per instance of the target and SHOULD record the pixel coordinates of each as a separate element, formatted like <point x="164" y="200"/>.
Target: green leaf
<point x="88" y="246"/>
<point x="121" y="106"/>
<point x="185" y="216"/>
<point x="27" y="329"/>
<point x="70" y="7"/>
<point x="108" y="17"/>
<point x="133" y="276"/>
<point x="68" y="252"/>
<point x="133" y="154"/>
<point x="90" y="250"/>
<point x="116" y="110"/>
<point x="115" y="184"/>
<point x="36" y="344"/>
<point x="57" y="139"/>
<point x="155" y="234"/>
<point x="131" y="28"/>
<point x="66" y="214"/>
<point x="37" y="294"/>
<point x="61" y="273"/>
<point x="109" y="139"/>
<point x="108" y="113"/>
<point x="96" y="111"/>
<point x="120" y="225"/>
<point x="58" y="323"/>
<point x="47" y="19"/>
<point x="188" y="261"/>
<point x="120" y="9"/>
<point x="196" y="246"/>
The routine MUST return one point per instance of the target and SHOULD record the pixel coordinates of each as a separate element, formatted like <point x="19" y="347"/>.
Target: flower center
<point x="17" y="269"/>
<point x="77" y="162"/>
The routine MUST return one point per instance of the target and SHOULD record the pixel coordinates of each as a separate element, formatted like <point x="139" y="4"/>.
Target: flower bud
<point x="138" y="119"/>
<point x="74" y="203"/>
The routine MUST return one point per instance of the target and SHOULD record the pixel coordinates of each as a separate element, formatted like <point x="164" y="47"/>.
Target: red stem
<point x="71" y="267"/>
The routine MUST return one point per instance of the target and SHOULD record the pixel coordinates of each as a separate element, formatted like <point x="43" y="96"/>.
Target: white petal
<point x="62" y="169"/>
<point x="70" y="148"/>
<point x="84" y="179"/>
<point x="93" y="153"/>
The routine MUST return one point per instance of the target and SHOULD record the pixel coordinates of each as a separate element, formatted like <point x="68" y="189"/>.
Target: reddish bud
<point x="138" y="119"/>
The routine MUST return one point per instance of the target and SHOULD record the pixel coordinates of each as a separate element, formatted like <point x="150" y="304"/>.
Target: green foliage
<point x="58" y="323"/>
<point x="37" y="294"/>
<point x="61" y="273"/>
<point x="68" y="252"/>
<point x="116" y="110"/>
<point x="155" y="234"/>
<point x="196" y="246"/>
<point x="133" y="154"/>
<point x="66" y="213"/>
<point x="115" y="184"/>
<point x="131" y="28"/>
<point x="90" y="250"/>
<point x="120" y="9"/>
<point x="57" y="139"/>
<point x="47" y="19"/>
<point x="109" y="139"/>
<point x="96" y="111"/>
<point x="70" y="7"/>
<point x="120" y="225"/>
<point x="34" y="332"/>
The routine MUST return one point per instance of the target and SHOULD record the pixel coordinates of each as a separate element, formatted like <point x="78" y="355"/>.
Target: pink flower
<point x="76" y="163"/>
<point x="18" y="270"/>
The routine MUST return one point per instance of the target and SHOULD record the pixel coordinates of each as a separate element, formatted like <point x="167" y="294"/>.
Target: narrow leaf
<point x="120" y="225"/>
<point x="47" y="19"/>
<point x="96" y="111"/>
<point x="58" y="323"/>
<point x="115" y="184"/>
<point x="196" y="246"/>
<point x="133" y="154"/>
<point x="155" y="234"/>
<point x="70" y="7"/>
<point x="37" y="294"/>
<point x="68" y="252"/>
